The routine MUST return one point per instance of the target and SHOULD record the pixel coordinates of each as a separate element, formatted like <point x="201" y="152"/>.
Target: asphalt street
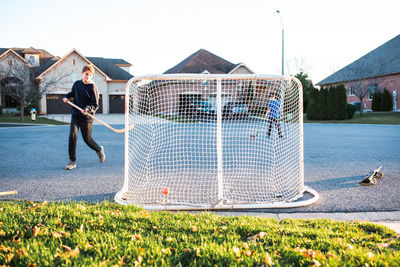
<point x="336" y="157"/>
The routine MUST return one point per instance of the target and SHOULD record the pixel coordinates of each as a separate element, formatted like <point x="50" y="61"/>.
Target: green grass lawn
<point x="367" y="118"/>
<point x="108" y="234"/>
<point x="27" y="119"/>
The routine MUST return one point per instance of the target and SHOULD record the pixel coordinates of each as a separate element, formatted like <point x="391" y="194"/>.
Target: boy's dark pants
<point x="277" y="126"/>
<point x="86" y="126"/>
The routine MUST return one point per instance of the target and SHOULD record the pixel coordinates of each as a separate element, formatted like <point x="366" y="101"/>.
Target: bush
<point x="376" y="101"/>
<point x="350" y="110"/>
<point x="341" y="102"/>
<point x="387" y="101"/>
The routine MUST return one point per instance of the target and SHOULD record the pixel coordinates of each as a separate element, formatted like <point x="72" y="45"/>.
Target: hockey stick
<point x="102" y="122"/>
<point x="8" y="193"/>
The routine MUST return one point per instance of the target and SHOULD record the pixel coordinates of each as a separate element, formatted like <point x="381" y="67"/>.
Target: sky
<point x="320" y="36"/>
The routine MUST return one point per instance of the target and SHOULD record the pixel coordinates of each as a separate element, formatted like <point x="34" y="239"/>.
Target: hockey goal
<point x="214" y="142"/>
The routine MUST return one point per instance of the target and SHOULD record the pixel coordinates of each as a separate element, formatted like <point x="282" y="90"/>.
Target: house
<point x="377" y="70"/>
<point x="172" y="97"/>
<point x="110" y="77"/>
<point x="206" y="62"/>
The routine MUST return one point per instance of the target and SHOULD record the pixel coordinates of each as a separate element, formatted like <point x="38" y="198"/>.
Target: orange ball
<point x="165" y="191"/>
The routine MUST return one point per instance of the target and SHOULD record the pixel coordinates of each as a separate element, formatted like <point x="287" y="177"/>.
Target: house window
<point x="10" y="61"/>
<point x="32" y="60"/>
<point x="371" y="90"/>
<point x="351" y="91"/>
<point x="74" y="62"/>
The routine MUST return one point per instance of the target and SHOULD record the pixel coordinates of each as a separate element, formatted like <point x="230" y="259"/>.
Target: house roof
<point x="5" y="51"/>
<point x="384" y="60"/>
<point x="106" y="66"/>
<point x="202" y="61"/>
<point x="65" y="57"/>
<point x="46" y="59"/>
<point x="109" y="67"/>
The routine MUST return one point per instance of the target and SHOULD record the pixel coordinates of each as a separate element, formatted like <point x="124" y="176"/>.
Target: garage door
<point x="117" y="104"/>
<point x="55" y="105"/>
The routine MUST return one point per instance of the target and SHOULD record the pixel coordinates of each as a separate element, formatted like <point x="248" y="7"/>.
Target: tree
<point x="308" y="86"/>
<point x="18" y="82"/>
<point x="341" y="102"/>
<point x="387" y="101"/>
<point x="376" y="101"/>
<point x="313" y="111"/>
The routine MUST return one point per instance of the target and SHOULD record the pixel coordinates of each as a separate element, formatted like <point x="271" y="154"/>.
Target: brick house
<point x="377" y="70"/>
<point x="110" y="77"/>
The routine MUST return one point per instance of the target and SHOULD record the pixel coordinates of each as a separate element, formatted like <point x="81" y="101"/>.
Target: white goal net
<point x="214" y="142"/>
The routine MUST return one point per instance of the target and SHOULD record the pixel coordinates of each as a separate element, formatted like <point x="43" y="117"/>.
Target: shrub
<point x="387" y="101"/>
<point x="376" y="101"/>
<point x="350" y="110"/>
<point x="341" y="102"/>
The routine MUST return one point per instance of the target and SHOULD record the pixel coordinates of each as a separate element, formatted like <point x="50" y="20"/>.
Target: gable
<point x="12" y="53"/>
<point x="69" y="58"/>
<point x="202" y="61"/>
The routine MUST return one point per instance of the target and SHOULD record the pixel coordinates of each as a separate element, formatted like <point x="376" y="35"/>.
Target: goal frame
<point x="221" y="204"/>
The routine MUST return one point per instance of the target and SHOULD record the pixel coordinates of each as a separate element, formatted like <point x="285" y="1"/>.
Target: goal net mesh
<point x="209" y="141"/>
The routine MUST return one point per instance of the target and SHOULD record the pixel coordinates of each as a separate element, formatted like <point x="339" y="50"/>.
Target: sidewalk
<point x="388" y="219"/>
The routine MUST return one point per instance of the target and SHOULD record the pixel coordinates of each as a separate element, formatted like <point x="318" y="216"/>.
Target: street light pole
<point x="283" y="42"/>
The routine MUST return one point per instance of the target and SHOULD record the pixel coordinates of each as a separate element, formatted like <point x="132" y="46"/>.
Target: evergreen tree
<point x="387" y="101"/>
<point x="313" y="104"/>
<point x="308" y="86"/>
<point x="331" y="103"/>
<point x="323" y="103"/>
<point x="376" y="101"/>
<point x="341" y="102"/>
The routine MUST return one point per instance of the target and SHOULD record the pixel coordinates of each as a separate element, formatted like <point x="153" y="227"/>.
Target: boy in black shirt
<point x="85" y="95"/>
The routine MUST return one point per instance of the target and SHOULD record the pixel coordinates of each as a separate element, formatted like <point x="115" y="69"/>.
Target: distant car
<point x="204" y="109"/>
<point x="235" y="109"/>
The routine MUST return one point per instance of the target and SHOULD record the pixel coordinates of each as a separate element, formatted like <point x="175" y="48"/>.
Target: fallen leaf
<point x="236" y="250"/>
<point x="259" y="235"/>
<point x="316" y="263"/>
<point x="56" y="235"/>
<point x="383" y="245"/>
<point x="75" y="252"/>
<point x="35" y="230"/>
<point x="165" y="250"/>
<point x="136" y="236"/>
<point x="331" y="255"/>
<point x="21" y="252"/>
<point x="9" y="257"/>
<point x="138" y="261"/>
<point x="4" y="249"/>
<point x="267" y="259"/>
<point x="66" y="248"/>
<point x="194" y="228"/>
<point x="81" y="207"/>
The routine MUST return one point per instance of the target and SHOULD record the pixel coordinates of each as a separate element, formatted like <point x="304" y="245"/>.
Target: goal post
<point x="204" y="141"/>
